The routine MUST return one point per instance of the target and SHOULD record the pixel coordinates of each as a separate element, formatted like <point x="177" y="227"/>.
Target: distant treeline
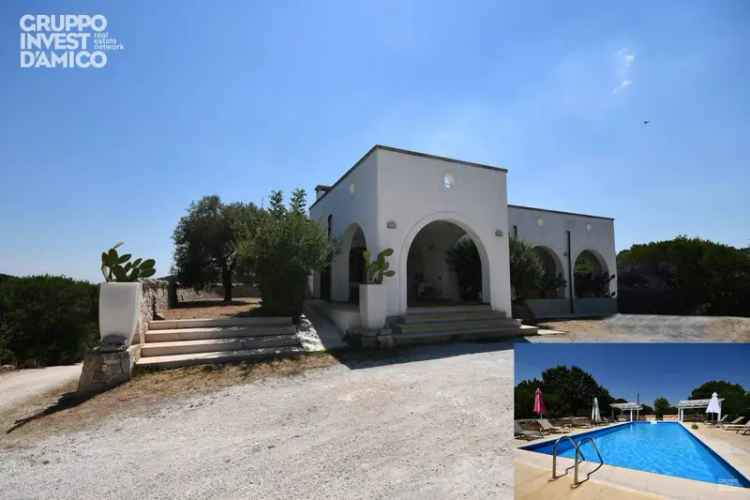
<point x="684" y="276"/>
<point x="570" y="392"/>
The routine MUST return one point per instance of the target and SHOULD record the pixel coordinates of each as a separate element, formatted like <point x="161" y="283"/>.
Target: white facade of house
<point x="419" y="205"/>
<point x="552" y="231"/>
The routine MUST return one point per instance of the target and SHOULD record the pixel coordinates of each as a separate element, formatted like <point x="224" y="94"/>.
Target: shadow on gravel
<point x="65" y="402"/>
<point x="359" y="358"/>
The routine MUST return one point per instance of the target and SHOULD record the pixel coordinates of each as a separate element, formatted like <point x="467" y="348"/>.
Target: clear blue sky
<point x="653" y="370"/>
<point x="237" y="99"/>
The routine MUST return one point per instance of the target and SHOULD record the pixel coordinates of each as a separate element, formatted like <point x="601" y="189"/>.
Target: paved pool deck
<point x="533" y="473"/>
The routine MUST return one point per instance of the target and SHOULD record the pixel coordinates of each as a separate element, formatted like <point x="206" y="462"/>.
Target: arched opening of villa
<point x="553" y="282"/>
<point x="591" y="276"/>
<point x="349" y="265"/>
<point x="445" y="266"/>
<point x="357" y="269"/>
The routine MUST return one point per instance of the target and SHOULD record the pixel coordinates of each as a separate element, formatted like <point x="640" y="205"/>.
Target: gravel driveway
<point x="432" y="422"/>
<point x="650" y="328"/>
<point x="20" y="385"/>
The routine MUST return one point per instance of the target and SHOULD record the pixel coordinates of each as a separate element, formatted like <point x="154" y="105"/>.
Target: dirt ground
<point x="428" y="422"/>
<point x="145" y="389"/>
<point x="214" y="308"/>
<point x="649" y="328"/>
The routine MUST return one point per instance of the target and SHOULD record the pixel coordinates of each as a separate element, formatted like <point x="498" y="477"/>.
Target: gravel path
<point x="20" y="385"/>
<point x="650" y="328"/>
<point x="432" y="422"/>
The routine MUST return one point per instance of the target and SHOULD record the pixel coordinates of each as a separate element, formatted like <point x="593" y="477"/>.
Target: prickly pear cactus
<point x="116" y="267"/>
<point x="378" y="268"/>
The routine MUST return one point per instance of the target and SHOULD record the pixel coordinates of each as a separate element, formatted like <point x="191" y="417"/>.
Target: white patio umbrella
<point x="714" y="406"/>
<point x="595" y="417"/>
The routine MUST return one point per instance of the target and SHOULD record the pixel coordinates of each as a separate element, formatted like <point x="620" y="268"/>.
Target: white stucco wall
<point x="406" y="190"/>
<point x="596" y="234"/>
<point x="412" y="194"/>
<point x="348" y="205"/>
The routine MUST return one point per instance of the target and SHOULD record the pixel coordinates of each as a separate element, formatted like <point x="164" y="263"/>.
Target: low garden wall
<point x="184" y="294"/>
<point x="155" y="302"/>
<point x="549" y="308"/>
<point x="557" y="308"/>
<point x="595" y="306"/>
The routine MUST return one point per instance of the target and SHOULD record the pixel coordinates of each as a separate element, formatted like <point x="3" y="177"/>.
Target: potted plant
<point x="120" y="295"/>
<point x="372" y="305"/>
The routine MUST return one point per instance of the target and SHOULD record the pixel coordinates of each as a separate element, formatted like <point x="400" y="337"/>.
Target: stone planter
<point x="119" y="310"/>
<point x="372" y="306"/>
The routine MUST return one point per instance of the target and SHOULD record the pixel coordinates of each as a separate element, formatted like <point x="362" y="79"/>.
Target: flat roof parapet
<point x="523" y="207"/>
<point x="327" y="189"/>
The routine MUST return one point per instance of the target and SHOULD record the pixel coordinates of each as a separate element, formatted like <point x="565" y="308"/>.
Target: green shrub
<point x="283" y="248"/>
<point x="526" y="270"/>
<point x="47" y="320"/>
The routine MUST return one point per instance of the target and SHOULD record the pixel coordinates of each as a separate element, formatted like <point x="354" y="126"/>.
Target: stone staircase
<point x="183" y="342"/>
<point x="446" y="324"/>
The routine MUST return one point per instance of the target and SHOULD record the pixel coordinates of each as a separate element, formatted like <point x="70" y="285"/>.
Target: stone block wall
<point x="155" y="302"/>
<point x="187" y="294"/>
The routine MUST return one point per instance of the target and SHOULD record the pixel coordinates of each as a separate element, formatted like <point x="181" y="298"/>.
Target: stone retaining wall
<point x="215" y="292"/>
<point x="155" y="302"/>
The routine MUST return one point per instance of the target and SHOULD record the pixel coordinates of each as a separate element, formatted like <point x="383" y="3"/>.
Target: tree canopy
<point x="662" y="407"/>
<point x="736" y="399"/>
<point x="684" y="276"/>
<point x="206" y="242"/>
<point x="568" y="391"/>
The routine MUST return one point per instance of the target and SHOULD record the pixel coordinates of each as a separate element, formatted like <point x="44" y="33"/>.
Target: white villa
<point x="420" y="205"/>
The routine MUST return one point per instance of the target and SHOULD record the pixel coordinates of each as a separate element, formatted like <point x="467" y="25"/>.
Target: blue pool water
<point x="663" y="448"/>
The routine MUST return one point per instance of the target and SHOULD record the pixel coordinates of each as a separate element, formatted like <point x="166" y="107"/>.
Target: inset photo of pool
<point x="635" y="421"/>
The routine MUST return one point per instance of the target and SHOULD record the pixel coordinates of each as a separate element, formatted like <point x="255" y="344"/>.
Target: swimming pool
<point x="664" y="448"/>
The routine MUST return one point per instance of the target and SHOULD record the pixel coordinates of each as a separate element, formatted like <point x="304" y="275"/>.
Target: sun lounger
<point x="718" y="424"/>
<point x="736" y="421"/>
<point x="548" y="428"/>
<point x="744" y="427"/>
<point x="521" y="433"/>
<point x="581" y="422"/>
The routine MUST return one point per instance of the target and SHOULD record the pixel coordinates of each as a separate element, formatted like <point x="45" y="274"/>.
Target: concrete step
<point x="170" y="324"/>
<point x="177" y="334"/>
<point x="450" y="317"/>
<point x="456" y="326"/>
<point x="437" y="337"/>
<point x="207" y="358"/>
<point x="448" y="309"/>
<point x="215" y="345"/>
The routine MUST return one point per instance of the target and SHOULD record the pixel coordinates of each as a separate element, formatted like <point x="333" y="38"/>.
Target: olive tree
<point x="206" y="242"/>
<point x="661" y="406"/>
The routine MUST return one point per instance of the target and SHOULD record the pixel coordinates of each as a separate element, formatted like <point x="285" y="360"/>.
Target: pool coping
<point x="649" y="482"/>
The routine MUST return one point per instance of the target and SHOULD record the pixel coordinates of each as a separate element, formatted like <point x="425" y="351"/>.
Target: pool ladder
<point x="579" y="457"/>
